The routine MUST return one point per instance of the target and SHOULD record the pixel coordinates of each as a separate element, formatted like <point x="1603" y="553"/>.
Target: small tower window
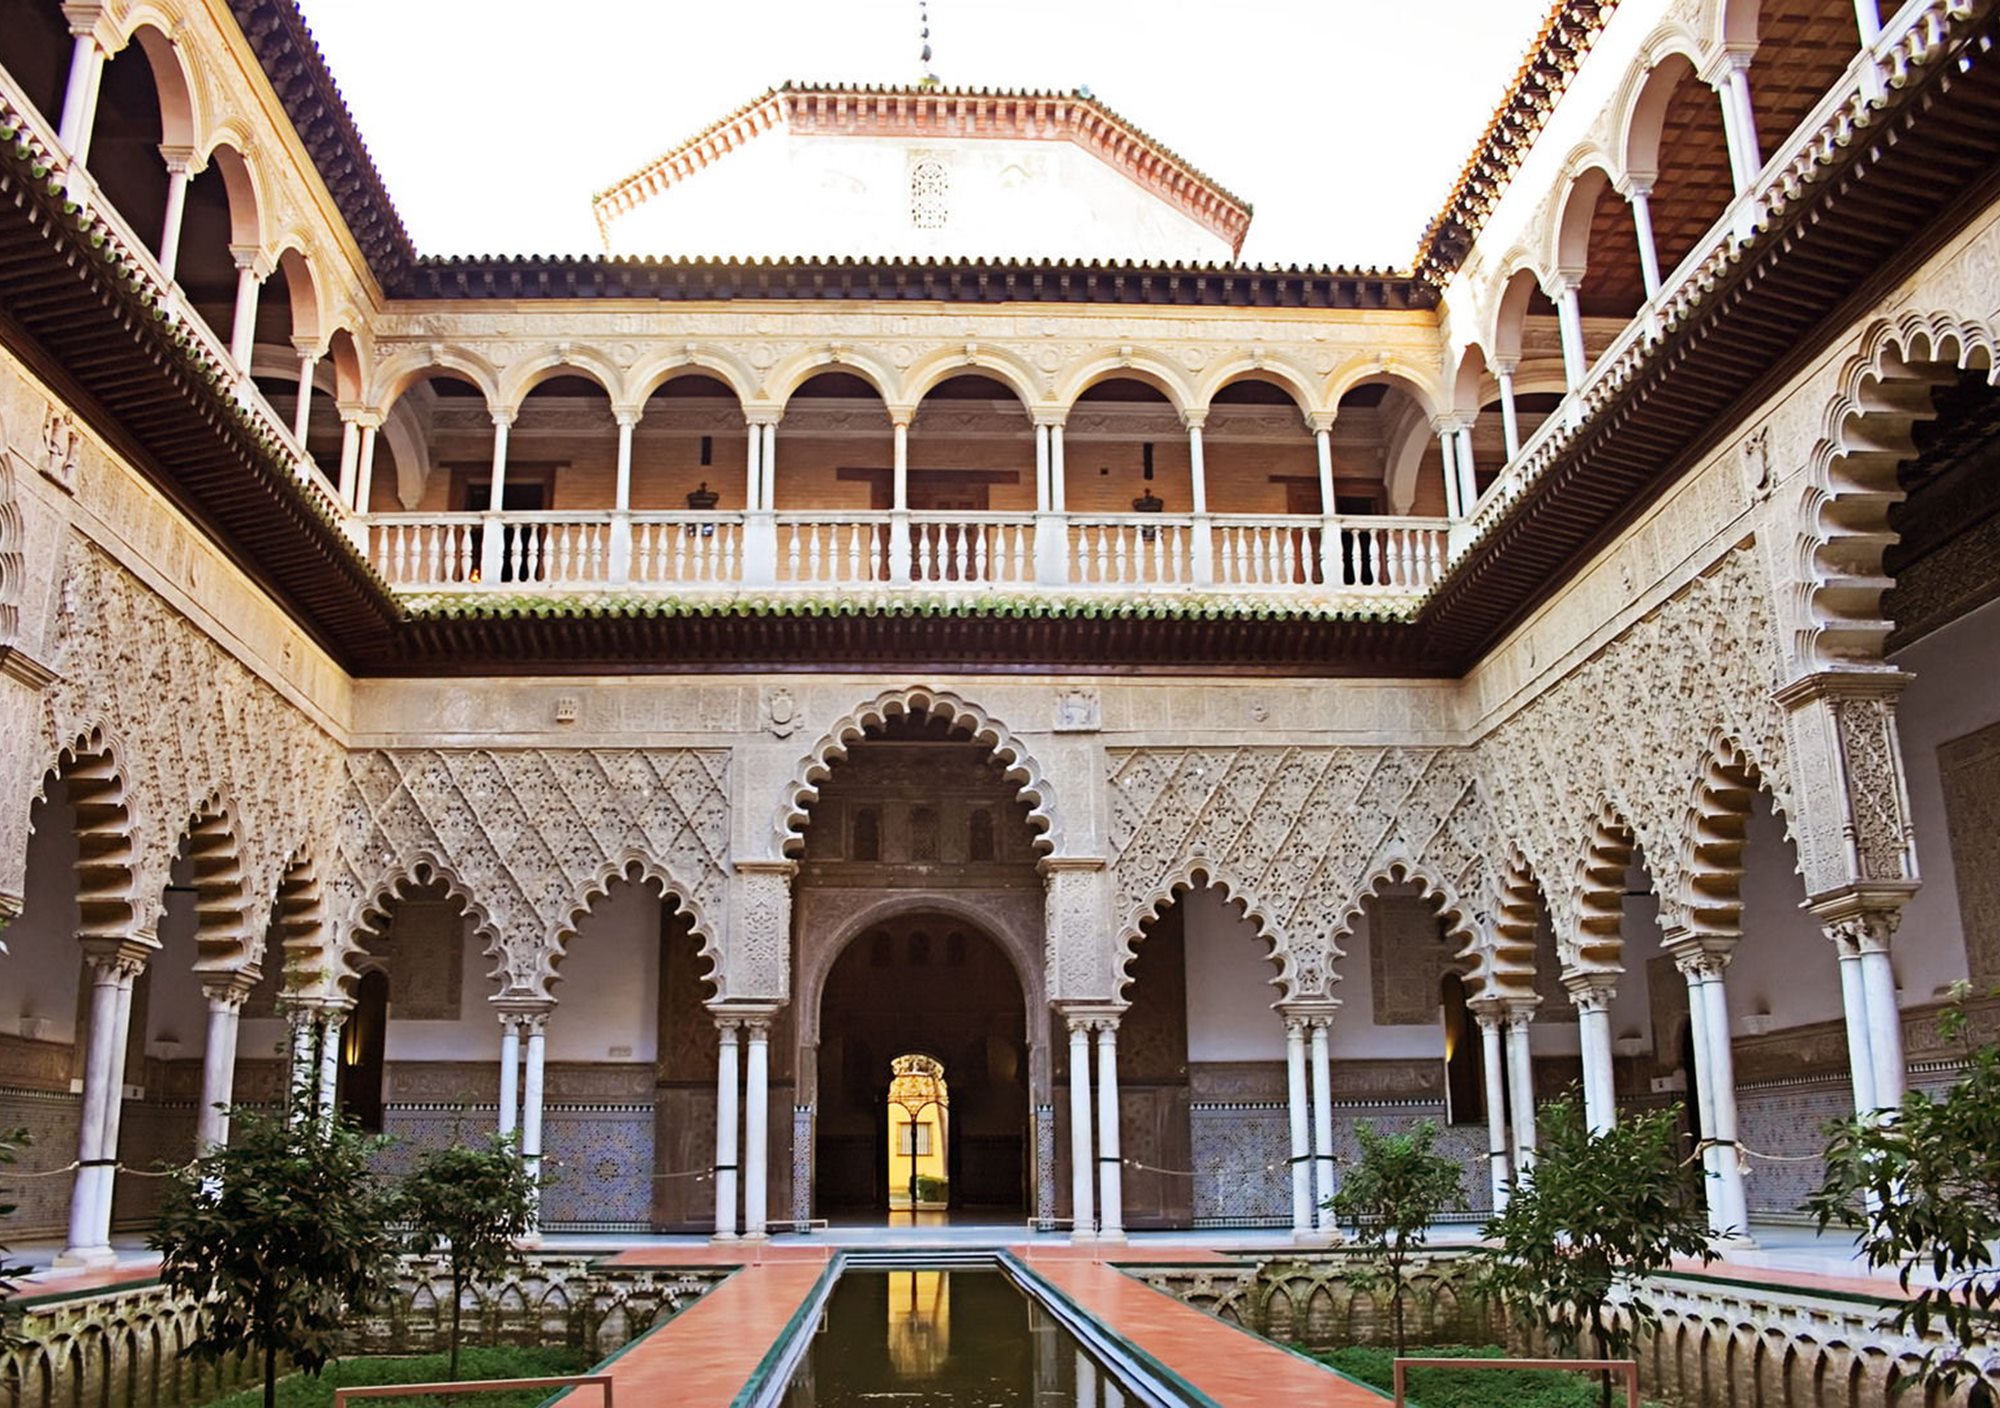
<point x="867" y="841"/>
<point x="930" y="195"/>
<point x="979" y="841"/>
<point x="923" y="834"/>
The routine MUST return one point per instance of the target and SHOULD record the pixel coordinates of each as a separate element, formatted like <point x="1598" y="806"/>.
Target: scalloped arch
<point x="1843" y="510"/>
<point x="638" y="869"/>
<point x="1191" y="873"/>
<point x="213" y="836"/>
<point x="1718" y="811"/>
<point x="1460" y="923"/>
<point x="371" y="914"/>
<point x="1022" y="768"/>
<point x="100" y="800"/>
<point x="1504" y="966"/>
<point x="1597" y="893"/>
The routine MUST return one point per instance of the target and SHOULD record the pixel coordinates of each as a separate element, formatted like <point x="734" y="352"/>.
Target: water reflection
<point x="953" y="1339"/>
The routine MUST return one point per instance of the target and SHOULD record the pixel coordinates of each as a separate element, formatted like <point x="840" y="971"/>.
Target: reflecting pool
<point x="954" y="1339"/>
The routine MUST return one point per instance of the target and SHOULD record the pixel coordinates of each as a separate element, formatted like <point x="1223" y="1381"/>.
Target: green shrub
<point x="932" y="1190"/>
<point x="1483" y="1388"/>
<point x="478" y="1362"/>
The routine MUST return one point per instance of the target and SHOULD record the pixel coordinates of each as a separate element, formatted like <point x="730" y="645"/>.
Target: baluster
<point x="1279" y="539"/>
<point x="1407" y="569"/>
<point x="1434" y="547"/>
<point x="1379" y="556"/>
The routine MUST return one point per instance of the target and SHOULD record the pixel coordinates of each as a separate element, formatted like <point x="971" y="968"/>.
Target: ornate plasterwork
<point x="202" y="744"/>
<point x="530" y="838"/>
<point x="1295" y="836"/>
<point x="1623" y="737"/>
<point x="1021" y="768"/>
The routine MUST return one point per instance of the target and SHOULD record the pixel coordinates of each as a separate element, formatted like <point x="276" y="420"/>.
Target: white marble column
<point x="218" y="1061"/>
<point x="1854" y="1011"/>
<point x="1045" y="501"/>
<point x="1468" y="474"/>
<point x="364" y="472"/>
<point x="1447" y="434"/>
<point x="1201" y="541"/>
<point x="756" y="1125"/>
<point x="753" y="466"/>
<point x="899" y="500"/>
<point x="1493" y="1065"/>
<point x="1591" y="994"/>
<point x="725" y="1130"/>
<point x="1868" y="20"/>
<point x="1058" y="470"/>
<point x="1640" y="195"/>
<point x="1110" y="1169"/>
<point x="510" y="1072"/>
<point x="1322" y="1106"/>
<point x="350" y="453"/>
<point x="1521" y="1086"/>
<point x="250" y="273"/>
<point x="768" y="465"/>
<point x="180" y="169"/>
<point x="1569" y="319"/>
<point x="1510" y="415"/>
<point x="1298" y="1108"/>
<point x="302" y="1078"/>
<point x="1082" y="1147"/>
<point x="619" y="567"/>
<point x="111" y="977"/>
<point x="79" y="109"/>
<point x="1715" y="1085"/>
<point x="493" y="536"/>
<point x="1323" y="453"/>
<point x="533" y="1083"/>
<point x="1739" y="120"/>
<point x="1885" y="1023"/>
<point x="330" y="1023"/>
<point x="302" y="411"/>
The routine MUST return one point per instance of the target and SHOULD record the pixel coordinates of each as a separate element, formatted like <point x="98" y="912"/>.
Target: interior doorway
<point x="907" y="1002"/>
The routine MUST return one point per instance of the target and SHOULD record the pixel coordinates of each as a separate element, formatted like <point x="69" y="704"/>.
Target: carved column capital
<point x="1861" y="918"/>
<point x="1591" y="991"/>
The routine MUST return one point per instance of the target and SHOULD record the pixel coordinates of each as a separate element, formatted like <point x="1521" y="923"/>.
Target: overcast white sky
<point x="1342" y="121"/>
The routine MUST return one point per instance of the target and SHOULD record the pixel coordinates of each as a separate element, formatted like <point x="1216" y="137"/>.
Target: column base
<point x="85" y="1259"/>
<point x="755" y="1237"/>
<point x="1112" y="1238"/>
<point x="724" y="1237"/>
<point x="1083" y="1236"/>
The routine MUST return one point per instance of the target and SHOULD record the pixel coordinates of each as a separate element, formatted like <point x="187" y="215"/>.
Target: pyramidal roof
<point x="818" y="109"/>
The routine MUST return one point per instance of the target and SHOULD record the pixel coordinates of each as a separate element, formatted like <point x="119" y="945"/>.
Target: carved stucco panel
<point x="758" y="965"/>
<point x="530" y="837"/>
<point x="188" y="723"/>
<point x="1295" y="835"/>
<point x="1632" y="726"/>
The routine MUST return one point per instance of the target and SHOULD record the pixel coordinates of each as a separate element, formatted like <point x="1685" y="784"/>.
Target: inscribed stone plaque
<point x="1970" y="770"/>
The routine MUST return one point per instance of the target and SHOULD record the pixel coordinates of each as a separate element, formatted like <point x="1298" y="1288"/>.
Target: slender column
<point x="1058" y="486"/>
<point x="533" y="1081"/>
<point x="1493" y="1063"/>
<point x="899" y="505"/>
<point x="350" y="452"/>
<point x="103" y="1088"/>
<point x="180" y="167"/>
<point x="302" y="414"/>
<point x="756" y="1120"/>
<point x="301" y="1078"/>
<point x="1704" y="1102"/>
<point x="1729" y="76"/>
<point x="243" y="331"/>
<point x="1521" y="1087"/>
<point x="753" y="467"/>
<point x="1569" y="317"/>
<point x="1868" y="18"/>
<point x="619" y="568"/>
<point x="1301" y="1126"/>
<point x="769" y="463"/>
<point x="364" y="474"/>
<point x="1854" y="1009"/>
<point x="492" y="537"/>
<point x="79" y="109"/>
<point x="1468" y="478"/>
<point x="1197" y="462"/>
<point x="218" y="1064"/>
<point x="1591" y="994"/>
<point x="725" y="1131"/>
<point x="1083" y="1176"/>
<point x="1510" y="416"/>
<point x="1722" y="1097"/>
<point x="1322" y="1103"/>
<point x="510" y="1072"/>
<point x="1045" y="501"/>
<point x="1447" y="435"/>
<point x="1885" y="1023"/>
<point x="329" y="1065"/>
<point x="114" y="1111"/>
<point x="1323" y="448"/>
<point x="1641" y="197"/>
<point x="1110" y="1171"/>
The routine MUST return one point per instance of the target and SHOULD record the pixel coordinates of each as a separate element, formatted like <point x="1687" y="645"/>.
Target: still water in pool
<point x="953" y="1339"/>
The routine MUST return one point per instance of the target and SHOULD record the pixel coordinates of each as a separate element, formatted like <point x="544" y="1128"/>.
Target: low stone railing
<point x="120" y="1348"/>
<point x="1304" y="558"/>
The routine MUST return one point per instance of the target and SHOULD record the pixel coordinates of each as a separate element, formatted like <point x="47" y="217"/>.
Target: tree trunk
<point x="270" y="1375"/>
<point x="457" y="1301"/>
<point x="1396" y="1301"/>
<point x="1603" y="1352"/>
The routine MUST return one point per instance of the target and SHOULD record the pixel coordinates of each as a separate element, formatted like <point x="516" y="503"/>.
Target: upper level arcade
<point x="577" y="430"/>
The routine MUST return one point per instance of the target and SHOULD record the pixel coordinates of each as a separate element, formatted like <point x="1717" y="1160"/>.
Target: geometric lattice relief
<point x="1970" y="770"/>
<point x="530" y="835"/>
<point x="1295" y="833"/>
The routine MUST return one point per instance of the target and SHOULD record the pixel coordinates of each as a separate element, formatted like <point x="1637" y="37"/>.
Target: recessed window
<point x="930" y="195"/>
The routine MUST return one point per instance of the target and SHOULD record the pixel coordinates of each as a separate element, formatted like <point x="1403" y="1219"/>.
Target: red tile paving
<point x="1231" y="1366"/>
<point x="1794" y="1280"/>
<point x="704" y="1356"/>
